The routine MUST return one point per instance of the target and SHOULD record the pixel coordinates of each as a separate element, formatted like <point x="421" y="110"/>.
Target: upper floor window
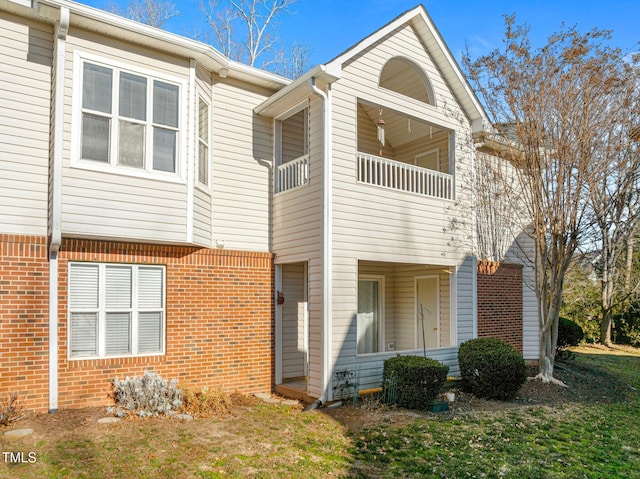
<point x="129" y="120"/>
<point x="203" y="142"/>
<point x="405" y="77"/>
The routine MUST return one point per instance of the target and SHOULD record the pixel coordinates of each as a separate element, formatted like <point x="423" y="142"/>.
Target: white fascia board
<point x="296" y="91"/>
<point x="113" y="25"/>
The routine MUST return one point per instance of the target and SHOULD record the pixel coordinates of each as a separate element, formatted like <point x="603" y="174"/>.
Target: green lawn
<point x="572" y="440"/>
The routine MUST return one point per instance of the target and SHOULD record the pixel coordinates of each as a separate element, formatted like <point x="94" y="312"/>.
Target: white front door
<point x="428" y="311"/>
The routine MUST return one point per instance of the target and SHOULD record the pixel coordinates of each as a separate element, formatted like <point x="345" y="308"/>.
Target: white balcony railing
<point x="374" y="170"/>
<point x="292" y="174"/>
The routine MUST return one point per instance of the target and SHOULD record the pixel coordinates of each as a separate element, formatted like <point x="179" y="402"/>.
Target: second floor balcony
<point x="395" y="175"/>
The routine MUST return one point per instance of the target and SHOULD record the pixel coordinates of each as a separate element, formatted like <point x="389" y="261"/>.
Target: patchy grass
<point x="573" y="440"/>
<point x="565" y="436"/>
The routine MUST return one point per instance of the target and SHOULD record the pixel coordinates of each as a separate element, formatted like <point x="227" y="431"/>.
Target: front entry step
<point x="295" y="390"/>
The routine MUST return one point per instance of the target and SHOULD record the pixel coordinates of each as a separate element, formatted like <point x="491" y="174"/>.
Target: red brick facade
<point x="500" y="304"/>
<point x="24" y="319"/>
<point x="219" y="320"/>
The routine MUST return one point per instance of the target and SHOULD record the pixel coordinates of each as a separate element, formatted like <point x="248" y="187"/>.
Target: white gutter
<point x="107" y="23"/>
<point x="327" y="247"/>
<point x="62" y="28"/>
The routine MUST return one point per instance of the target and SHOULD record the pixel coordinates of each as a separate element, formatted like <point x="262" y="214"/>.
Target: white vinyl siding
<point x="379" y="225"/>
<point x="297" y="236"/>
<point x="25" y="99"/>
<point x="114" y="201"/>
<point x="115" y="310"/>
<point x="202" y="204"/>
<point x="241" y="164"/>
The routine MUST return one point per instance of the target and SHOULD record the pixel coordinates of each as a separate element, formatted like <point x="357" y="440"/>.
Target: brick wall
<point x="219" y="321"/>
<point x="24" y="319"/>
<point x="500" y="304"/>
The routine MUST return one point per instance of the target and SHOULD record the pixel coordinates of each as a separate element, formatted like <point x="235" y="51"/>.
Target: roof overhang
<point x="115" y="26"/>
<point x="296" y="92"/>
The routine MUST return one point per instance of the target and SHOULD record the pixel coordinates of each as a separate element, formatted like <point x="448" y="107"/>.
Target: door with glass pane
<point x="370" y="315"/>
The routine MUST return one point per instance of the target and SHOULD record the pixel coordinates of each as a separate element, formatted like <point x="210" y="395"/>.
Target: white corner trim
<point x="191" y="148"/>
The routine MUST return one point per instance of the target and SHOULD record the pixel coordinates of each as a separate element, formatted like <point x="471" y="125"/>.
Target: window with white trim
<point x="116" y="310"/>
<point x="203" y="142"/>
<point x="128" y="119"/>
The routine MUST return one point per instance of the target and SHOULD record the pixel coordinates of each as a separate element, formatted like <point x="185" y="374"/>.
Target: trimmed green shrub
<point x="491" y="368"/>
<point x="569" y="333"/>
<point x="418" y="379"/>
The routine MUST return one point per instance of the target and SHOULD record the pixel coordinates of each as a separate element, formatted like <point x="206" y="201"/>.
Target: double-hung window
<point x="128" y="119"/>
<point x="116" y="310"/>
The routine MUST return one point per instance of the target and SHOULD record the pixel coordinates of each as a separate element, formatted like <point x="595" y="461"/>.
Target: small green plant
<point x="569" y="334"/>
<point x="206" y="402"/>
<point x="491" y="368"/>
<point x="418" y="379"/>
<point x="10" y="410"/>
<point x="147" y="395"/>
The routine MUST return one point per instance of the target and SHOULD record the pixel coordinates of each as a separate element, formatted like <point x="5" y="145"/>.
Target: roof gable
<point x="428" y="34"/>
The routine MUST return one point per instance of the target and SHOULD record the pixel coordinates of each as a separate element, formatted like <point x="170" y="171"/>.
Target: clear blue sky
<point x="332" y="26"/>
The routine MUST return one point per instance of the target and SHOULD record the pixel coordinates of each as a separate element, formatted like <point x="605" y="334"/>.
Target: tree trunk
<point x="605" y="327"/>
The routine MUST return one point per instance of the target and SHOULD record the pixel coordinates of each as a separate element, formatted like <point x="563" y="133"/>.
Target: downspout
<point x="327" y="248"/>
<point x="474" y="238"/>
<point x="55" y="241"/>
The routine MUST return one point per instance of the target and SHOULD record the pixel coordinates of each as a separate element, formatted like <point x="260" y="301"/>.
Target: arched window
<point x="405" y="77"/>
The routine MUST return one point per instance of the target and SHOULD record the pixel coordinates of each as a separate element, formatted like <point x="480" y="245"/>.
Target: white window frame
<point x="101" y="311"/>
<point x="380" y="279"/>
<point x="80" y="58"/>
<point x="207" y="144"/>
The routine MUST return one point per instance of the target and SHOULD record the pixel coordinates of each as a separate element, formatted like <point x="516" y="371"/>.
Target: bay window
<point x="128" y="119"/>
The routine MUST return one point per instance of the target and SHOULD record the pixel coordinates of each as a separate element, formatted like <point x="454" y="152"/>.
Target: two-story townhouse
<point x="166" y="208"/>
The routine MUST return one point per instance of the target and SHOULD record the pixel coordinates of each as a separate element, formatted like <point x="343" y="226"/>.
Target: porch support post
<point x="278" y="332"/>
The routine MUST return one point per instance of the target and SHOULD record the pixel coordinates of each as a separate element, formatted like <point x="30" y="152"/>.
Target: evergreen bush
<point x="418" y="379"/>
<point x="491" y="368"/>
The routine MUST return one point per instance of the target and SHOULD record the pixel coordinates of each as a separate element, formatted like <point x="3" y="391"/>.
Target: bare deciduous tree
<point x="149" y="12"/>
<point x="614" y="192"/>
<point x="553" y="102"/>
<point x="245" y="31"/>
